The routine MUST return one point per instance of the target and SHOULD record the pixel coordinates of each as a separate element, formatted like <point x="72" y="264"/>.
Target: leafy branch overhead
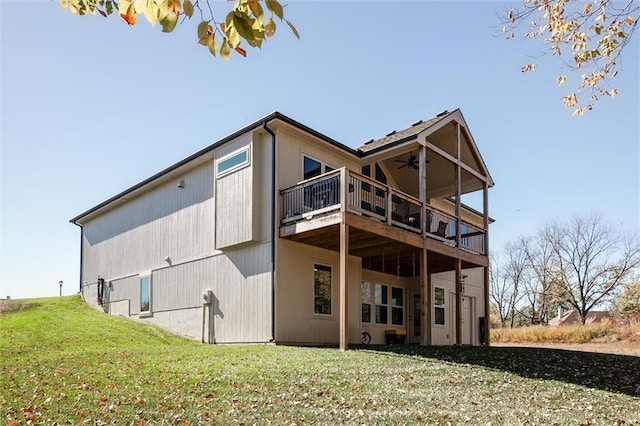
<point x="594" y="34"/>
<point x="247" y="21"/>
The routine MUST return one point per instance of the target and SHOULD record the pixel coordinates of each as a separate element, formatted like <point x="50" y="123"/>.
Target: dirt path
<point x="619" y="348"/>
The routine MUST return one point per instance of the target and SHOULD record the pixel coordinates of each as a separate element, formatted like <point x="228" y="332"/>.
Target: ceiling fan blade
<point x="400" y="161"/>
<point x="404" y="165"/>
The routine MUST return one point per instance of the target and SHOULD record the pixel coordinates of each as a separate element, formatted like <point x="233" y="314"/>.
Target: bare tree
<point x="594" y="260"/>
<point x="501" y="290"/>
<point x="506" y="282"/>
<point x="543" y="291"/>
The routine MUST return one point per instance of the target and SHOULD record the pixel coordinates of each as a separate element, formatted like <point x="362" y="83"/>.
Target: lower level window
<point x="382" y="300"/>
<point x="322" y="289"/>
<point x="145" y="294"/>
<point x="365" y="299"/>
<point x="439" y="305"/>
<point x="397" y="306"/>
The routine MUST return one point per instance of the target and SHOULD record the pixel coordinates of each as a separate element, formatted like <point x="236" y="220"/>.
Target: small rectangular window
<point x="322" y="289"/>
<point x="145" y="294"/>
<point x="438" y="301"/>
<point x="233" y="162"/>
<point x="365" y="299"/>
<point x="397" y="306"/>
<point x="381" y="299"/>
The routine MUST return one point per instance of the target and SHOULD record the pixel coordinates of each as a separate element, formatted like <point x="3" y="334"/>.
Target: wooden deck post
<point x="458" y="301"/>
<point x="344" y="286"/>
<point x="425" y="282"/>
<point x="487" y="311"/>
<point x="425" y="299"/>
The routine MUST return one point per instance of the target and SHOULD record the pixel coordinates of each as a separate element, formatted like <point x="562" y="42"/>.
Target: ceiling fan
<point x="411" y="162"/>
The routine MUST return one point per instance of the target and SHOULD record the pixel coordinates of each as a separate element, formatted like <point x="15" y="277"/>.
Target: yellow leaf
<point x="188" y="8"/>
<point x="225" y="49"/>
<point x="206" y="40"/>
<point x="151" y="12"/>
<point x="561" y="80"/>
<point x="270" y="28"/>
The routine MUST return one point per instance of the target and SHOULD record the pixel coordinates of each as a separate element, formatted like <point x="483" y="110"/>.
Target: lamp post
<point x="60" y="282"/>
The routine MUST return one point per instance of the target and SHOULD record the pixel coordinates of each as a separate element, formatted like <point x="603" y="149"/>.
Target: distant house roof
<point x="572" y="317"/>
<point x="403" y="135"/>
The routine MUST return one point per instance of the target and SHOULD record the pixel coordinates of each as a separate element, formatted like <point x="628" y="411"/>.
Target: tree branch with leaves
<point x="594" y="33"/>
<point x="247" y="21"/>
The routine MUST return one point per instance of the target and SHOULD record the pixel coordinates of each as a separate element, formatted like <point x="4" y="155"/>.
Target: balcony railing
<point x="365" y="196"/>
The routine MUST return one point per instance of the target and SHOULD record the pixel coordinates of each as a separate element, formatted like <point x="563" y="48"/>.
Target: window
<point x="439" y="305"/>
<point x="381" y="299"/>
<point x="321" y="289"/>
<point x="397" y="306"/>
<point x="312" y="168"/>
<point x="365" y="299"/>
<point x="233" y="162"/>
<point x="145" y="294"/>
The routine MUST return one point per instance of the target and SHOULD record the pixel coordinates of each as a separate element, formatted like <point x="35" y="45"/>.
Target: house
<point x="312" y="245"/>
<point x="572" y="317"/>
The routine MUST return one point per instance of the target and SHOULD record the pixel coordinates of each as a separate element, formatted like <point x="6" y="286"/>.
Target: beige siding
<point x="296" y="321"/>
<point x="234" y="198"/>
<point x="138" y="234"/>
<point x="293" y="145"/>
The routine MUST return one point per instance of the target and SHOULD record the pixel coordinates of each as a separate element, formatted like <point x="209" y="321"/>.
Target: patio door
<point x="415" y="313"/>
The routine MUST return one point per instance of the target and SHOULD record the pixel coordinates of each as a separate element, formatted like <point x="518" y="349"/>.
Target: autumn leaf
<point x="275" y="8"/>
<point x="293" y="29"/>
<point x="130" y="16"/>
<point x="188" y="8"/>
<point x="241" y="51"/>
<point x="225" y="49"/>
<point x="270" y="28"/>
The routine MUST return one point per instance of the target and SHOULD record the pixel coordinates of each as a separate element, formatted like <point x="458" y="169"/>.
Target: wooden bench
<point x="395" y="336"/>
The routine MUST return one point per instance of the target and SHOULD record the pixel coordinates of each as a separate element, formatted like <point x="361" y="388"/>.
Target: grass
<point x="596" y="332"/>
<point x="65" y="363"/>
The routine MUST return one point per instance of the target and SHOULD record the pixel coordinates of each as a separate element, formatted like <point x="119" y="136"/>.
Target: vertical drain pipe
<point x="273" y="230"/>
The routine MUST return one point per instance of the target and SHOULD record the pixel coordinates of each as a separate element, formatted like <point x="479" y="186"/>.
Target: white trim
<point x="236" y="167"/>
<point x="149" y="312"/>
<point x="315" y="314"/>
<point x="443" y="306"/>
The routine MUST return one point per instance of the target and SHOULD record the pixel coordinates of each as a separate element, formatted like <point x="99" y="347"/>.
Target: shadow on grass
<point x="614" y="373"/>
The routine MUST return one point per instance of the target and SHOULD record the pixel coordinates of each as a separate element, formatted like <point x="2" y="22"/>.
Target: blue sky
<point x="91" y="106"/>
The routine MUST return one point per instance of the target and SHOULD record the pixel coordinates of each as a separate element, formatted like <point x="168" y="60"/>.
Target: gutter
<point x="273" y="230"/>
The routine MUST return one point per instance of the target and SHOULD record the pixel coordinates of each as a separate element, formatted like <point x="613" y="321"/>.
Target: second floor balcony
<point x="343" y="190"/>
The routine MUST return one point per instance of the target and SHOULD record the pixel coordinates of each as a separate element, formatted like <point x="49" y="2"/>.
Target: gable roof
<point x="398" y="137"/>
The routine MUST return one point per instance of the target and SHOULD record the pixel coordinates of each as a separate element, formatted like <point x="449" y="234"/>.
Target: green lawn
<point x="65" y="363"/>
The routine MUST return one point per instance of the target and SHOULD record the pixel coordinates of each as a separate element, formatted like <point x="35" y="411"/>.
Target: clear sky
<point x="91" y="107"/>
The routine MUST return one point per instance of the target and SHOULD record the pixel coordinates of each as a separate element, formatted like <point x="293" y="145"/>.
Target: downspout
<point x="81" y="259"/>
<point x="273" y="230"/>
